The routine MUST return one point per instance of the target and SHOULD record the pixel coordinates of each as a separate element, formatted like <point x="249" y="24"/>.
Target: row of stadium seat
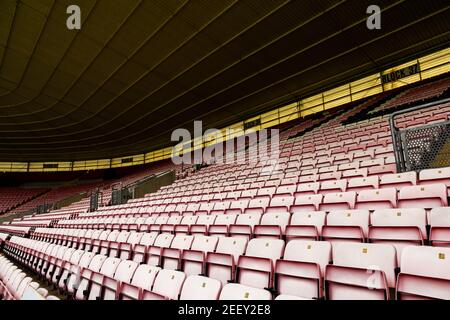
<point x="301" y="270"/>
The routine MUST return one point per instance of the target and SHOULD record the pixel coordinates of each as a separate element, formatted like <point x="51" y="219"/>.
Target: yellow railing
<point x="430" y="66"/>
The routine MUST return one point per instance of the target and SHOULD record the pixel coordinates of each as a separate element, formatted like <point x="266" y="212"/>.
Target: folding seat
<point x="221" y="264"/>
<point x="241" y="204"/>
<point x="376" y="199"/>
<point x="82" y="290"/>
<point x="167" y="286"/>
<point x="185" y="224"/>
<point x="364" y="183"/>
<point x="300" y="273"/>
<point x="72" y="267"/>
<point x="244" y="225"/>
<point x="169" y="227"/>
<point x="140" y="249"/>
<point x="249" y="193"/>
<point x="307" y="203"/>
<point x="361" y="271"/>
<point x="382" y="169"/>
<point x="234" y="195"/>
<point x="330" y="176"/>
<point x="193" y="259"/>
<point x="272" y="225"/>
<point x="363" y="155"/>
<point x="440" y="227"/>
<point x="433" y="176"/>
<point x="105" y="244"/>
<point x="59" y="265"/>
<point x="47" y="259"/>
<point x="111" y="284"/>
<point x="332" y="186"/>
<point x="328" y="169"/>
<point x="96" y="241"/>
<point x="398" y="180"/>
<point x="424" y="274"/>
<point x="159" y="222"/>
<point x="307" y="188"/>
<point x="348" y="166"/>
<point x="354" y="173"/>
<point x="399" y="227"/>
<point x="305" y="225"/>
<point x="143" y="278"/>
<point x="235" y="291"/>
<point x="256" y="267"/>
<point x="308" y="178"/>
<point x="282" y="201"/>
<point x="221" y="225"/>
<point x="377" y="163"/>
<point x="222" y="205"/>
<point x="202" y="225"/>
<point x="200" y="288"/>
<point x="349" y="225"/>
<point x="267" y="191"/>
<point x="286" y="189"/>
<point x="171" y="257"/>
<point x="258" y="205"/>
<point x="338" y="201"/>
<point x="425" y="196"/>
<point x="154" y="251"/>
<point x="97" y="279"/>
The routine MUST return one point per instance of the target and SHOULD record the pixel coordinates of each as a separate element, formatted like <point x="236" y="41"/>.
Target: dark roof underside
<point x="139" y="68"/>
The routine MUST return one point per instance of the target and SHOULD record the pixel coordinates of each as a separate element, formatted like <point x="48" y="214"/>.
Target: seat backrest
<point x="265" y="248"/>
<point x="312" y="218"/>
<point x="168" y="283"/>
<point x="97" y="262"/>
<point x="164" y="240"/>
<point x="250" y="219"/>
<point x="433" y="262"/>
<point x="235" y="246"/>
<point x="204" y="243"/>
<point x="424" y="196"/>
<point x="234" y="291"/>
<point x="358" y="218"/>
<point x="148" y="239"/>
<point x="182" y="242"/>
<point x="367" y="256"/>
<point x="309" y="251"/>
<point x="400" y="218"/>
<point x="144" y="276"/>
<point x="200" y="288"/>
<point x="125" y="271"/>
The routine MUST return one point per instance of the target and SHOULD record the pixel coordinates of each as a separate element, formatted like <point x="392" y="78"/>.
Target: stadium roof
<point x="137" y="68"/>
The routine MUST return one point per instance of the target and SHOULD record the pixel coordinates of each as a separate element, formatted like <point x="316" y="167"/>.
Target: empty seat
<point x="425" y="196"/>
<point x="167" y="286"/>
<point x="338" y="201"/>
<point x="440" y="227"/>
<point x="364" y="183"/>
<point x="255" y="268"/>
<point x="244" y="225"/>
<point x="398" y="180"/>
<point x="333" y="186"/>
<point x="377" y="199"/>
<point x="193" y="259"/>
<point x="361" y="271"/>
<point x="272" y="225"/>
<point x="300" y="273"/>
<point x="235" y="291"/>
<point x="143" y="279"/>
<point x="307" y="203"/>
<point x="399" y="227"/>
<point x="425" y="274"/>
<point x="306" y="225"/>
<point x="200" y="288"/>
<point x="221" y="264"/>
<point x="348" y="225"/>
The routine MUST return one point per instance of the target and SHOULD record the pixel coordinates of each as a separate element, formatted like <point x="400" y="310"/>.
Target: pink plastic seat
<point x="200" y="288"/>
<point x="338" y="201"/>
<point x="399" y="227"/>
<point x="347" y="225"/>
<point x="425" y="274"/>
<point x="235" y="291"/>
<point x="300" y="273"/>
<point x="425" y="196"/>
<point x="377" y="199"/>
<point x="398" y="180"/>
<point x="440" y="227"/>
<point x="255" y="268"/>
<point x="361" y="271"/>
<point x="306" y="225"/>
<point x="307" y="203"/>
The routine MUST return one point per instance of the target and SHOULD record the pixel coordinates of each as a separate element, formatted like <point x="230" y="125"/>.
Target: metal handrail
<point x="396" y="139"/>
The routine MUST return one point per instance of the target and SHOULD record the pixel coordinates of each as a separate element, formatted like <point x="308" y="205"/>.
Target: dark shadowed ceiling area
<point x="139" y="68"/>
